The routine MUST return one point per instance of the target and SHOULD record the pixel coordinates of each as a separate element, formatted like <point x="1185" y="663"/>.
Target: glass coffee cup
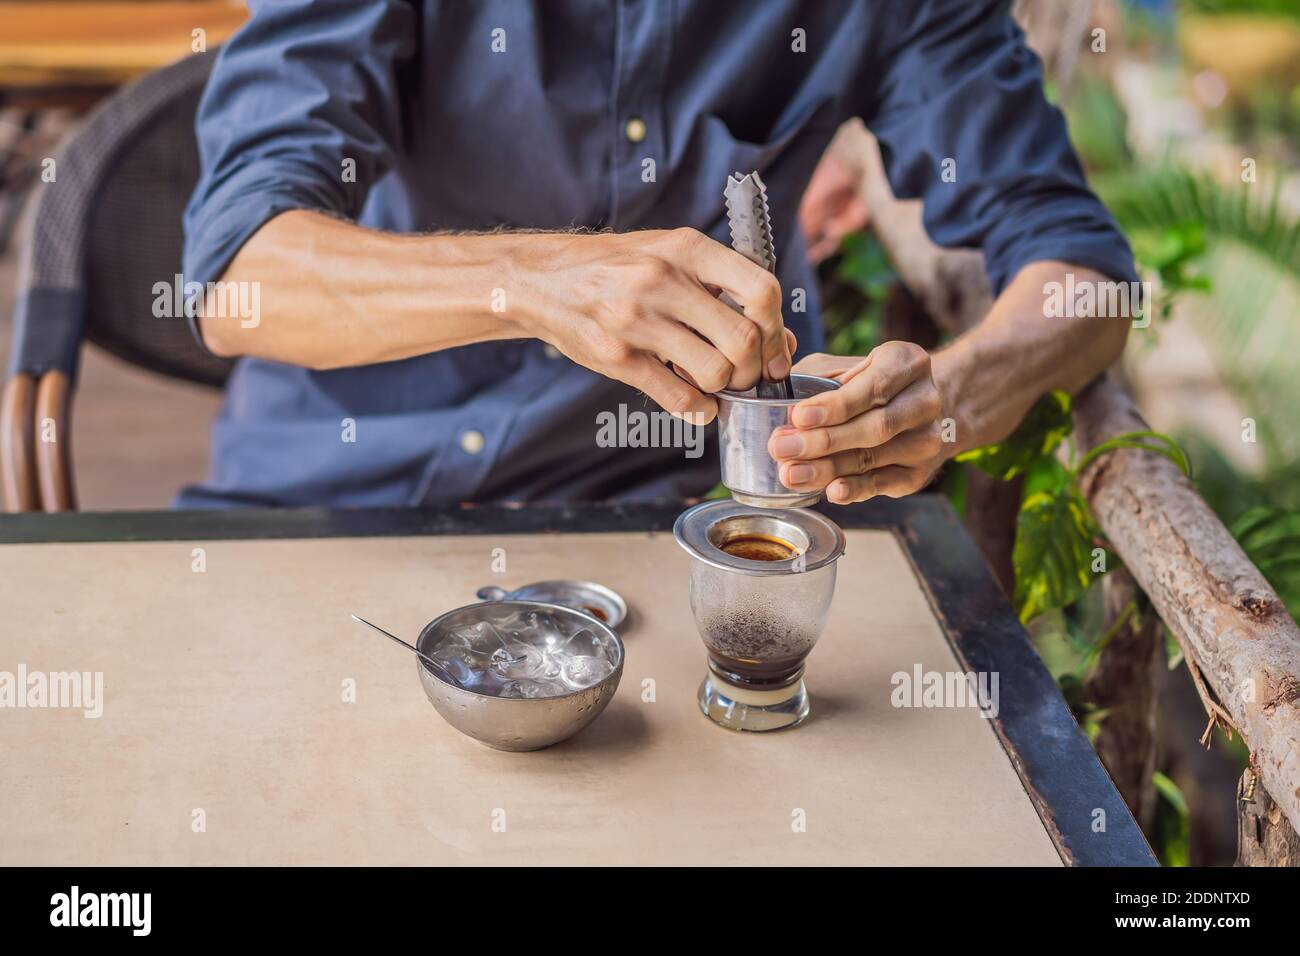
<point x="760" y="591"/>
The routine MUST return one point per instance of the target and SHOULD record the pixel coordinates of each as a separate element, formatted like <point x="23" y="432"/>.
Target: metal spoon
<point x="437" y="665"/>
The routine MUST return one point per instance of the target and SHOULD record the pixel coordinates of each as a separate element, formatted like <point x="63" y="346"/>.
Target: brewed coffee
<point x="759" y="547"/>
<point x="754" y="650"/>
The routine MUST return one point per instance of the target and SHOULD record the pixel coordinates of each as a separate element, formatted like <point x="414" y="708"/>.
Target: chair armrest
<point x="53" y="442"/>
<point x="18" y="490"/>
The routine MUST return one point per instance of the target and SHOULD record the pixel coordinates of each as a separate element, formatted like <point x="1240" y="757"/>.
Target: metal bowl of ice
<point x="530" y="674"/>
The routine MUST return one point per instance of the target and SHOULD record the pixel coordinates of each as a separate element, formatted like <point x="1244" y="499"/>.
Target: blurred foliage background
<point x="1186" y="116"/>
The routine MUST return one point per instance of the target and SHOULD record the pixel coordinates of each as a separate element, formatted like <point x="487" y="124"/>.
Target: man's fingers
<point x="710" y="370"/>
<point x="915" y="447"/>
<point x="667" y="389"/>
<point x="687" y="376"/>
<point x="829" y="366"/>
<point x="820" y="472"/>
<point x="752" y="286"/>
<point x="727" y="332"/>
<point x="730" y="333"/>
<point x="888" y="370"/>
<point x="918" y="404"/>
<point x="892" y="481"/>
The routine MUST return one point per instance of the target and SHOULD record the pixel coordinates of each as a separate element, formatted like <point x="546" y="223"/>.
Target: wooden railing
<point x="1240" y="644"/>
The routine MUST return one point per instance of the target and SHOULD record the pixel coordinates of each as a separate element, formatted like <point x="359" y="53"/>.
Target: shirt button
<point x="635" y="129"/>
<point x="471" y="442"/>
<point x="550" y="351"/>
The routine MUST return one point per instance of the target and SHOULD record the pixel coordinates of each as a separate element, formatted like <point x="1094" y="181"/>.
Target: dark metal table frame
<point x="1061" y="774"/>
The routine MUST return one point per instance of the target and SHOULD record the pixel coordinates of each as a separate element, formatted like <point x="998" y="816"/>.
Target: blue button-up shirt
<point x="483" y="114"/>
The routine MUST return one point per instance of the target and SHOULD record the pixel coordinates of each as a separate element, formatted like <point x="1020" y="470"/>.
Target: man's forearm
<point x="625" y="305"/>
<point x="994" y="373"/>
<point x="334" y="294"/>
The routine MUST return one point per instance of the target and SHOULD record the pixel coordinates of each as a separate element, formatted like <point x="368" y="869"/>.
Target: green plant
<point x="1270" y="536"/>
<point x="1228" y="491"/>
<point x="1056" y="555"/>
<point x="1173" y="822"/>
<point x="854" y="285"/>
<point x="1238" y="247"/>
<point x="1032" y="443"/>
<point x="1172" y="216"/>
<point x="1279" y="8"/>
<point x="1097" y="123"/>
<point x="1171" y="197"/>
<point x="1173" y="253"/>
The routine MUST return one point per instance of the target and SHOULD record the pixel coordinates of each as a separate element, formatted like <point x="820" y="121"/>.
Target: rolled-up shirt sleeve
<point x="304" y="87"/>
<point x="964" y="125"/>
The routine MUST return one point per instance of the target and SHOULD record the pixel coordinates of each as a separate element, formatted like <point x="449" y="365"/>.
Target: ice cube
<point x="525" y="689"/>
<point x="460" y="637"/>
<point x="465" y="674"/>
<point x="462" y="661"/>
<point x="538" y="621"/>
<point x="552" y="664"/>
<point x="583" y="672"/>
<point x="537" y="628"/>
<point x="490" y="634"/>
<point x="517" y="660"/>
<point x="585" y="642"/>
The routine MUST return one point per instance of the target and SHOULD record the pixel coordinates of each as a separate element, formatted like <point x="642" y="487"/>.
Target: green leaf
<point x="718" y="491"/>
<point x="864" y="265"/>
<point x="1093" y="657"/>
<point x="1053" y="551"/>
<point x="1097" y="124"/>
<point x="1173" y="651"/>
<point x="1156" y="442"/>
<point x="1270" y="537"/>
<point x="857" y="335"/>
<point x="1279" y="8"/>
<point x="1045" y="474"/>
<point x="1173" y="822"/>
<point x="1173" y="215"/>
<point x="854" y="284"/>
<point x="1047" y="423"/>
<point x="1169" y="790"/>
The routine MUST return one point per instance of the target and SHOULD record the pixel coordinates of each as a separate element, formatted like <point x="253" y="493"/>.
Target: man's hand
<point x="877" y="434"/>
<point x="624" y="304"/>
<point x="832" y="206"/>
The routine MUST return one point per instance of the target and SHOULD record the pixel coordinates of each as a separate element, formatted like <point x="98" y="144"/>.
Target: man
<point x="475" y="226"/>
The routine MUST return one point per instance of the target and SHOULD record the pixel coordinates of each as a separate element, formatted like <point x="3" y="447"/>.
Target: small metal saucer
<point x="595" y="600"/>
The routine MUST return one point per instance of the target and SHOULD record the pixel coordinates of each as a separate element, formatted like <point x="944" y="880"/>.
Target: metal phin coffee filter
<point x="745" y="424"/>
